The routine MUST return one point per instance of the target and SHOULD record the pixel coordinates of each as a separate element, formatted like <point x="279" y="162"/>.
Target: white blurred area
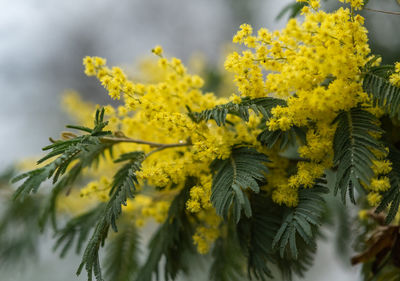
<point x="41" y="50"/>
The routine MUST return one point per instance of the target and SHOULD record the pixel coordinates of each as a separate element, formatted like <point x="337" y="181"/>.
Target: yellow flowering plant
<point x="243" y="177"/>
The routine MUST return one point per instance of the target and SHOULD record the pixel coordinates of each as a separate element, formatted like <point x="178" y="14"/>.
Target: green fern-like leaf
<point x="232" y="176"/>
<point x="123" y="185"/>
<point x="228" y="260"/>
<point x="86" y="148"/>
<point x="121" y="257"/>
<point x="256" y="235"/>
<point x="384" y="94"/>
<point x="384" y="70"/>
<point x="290" y="267"/>
<point x="19" y="231"/>
<point x="301" y="222"/>
<point x="173" y="241"/>
<point x="50" y="203"/>
<point x="270" y="138"/>
<point x="122" y="188"/>
<point x="218" y="114"/>
<point x="352" y="147"/>
<point x="77" y="231"/>
<point x="392" y="196"/>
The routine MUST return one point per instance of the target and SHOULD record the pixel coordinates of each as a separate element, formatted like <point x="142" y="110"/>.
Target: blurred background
<point x="44" y="41"/>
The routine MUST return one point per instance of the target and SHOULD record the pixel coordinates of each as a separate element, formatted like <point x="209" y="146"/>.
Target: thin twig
<point x="383" y="12"/>
<point x="154" y="151"/>
<point x="160" y="146"/>
<point x="153" y="144"/>
<point x="164" y="146"/>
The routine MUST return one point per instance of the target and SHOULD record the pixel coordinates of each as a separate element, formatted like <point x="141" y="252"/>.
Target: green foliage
<point x="6" y="176"/>
<point x="19" y="231"/>
<point x="86" y="148"/>
<point x="123" y="185"/>
<point x="388" y="273"/>
<point x="256" y="235"/>
<point x="289" y="267"/>
<point x="384" y="94"/>
<point x="292" y="229"/>
<point x="270" y="138"/>
<point x="301" y="222"/>
<point x="173" y="240"/>
<point x="228" y="259"/>
<point x="352" y="147"/>
<point x="121" y="257"/>
<point x="122" y="188"/>
<point x="218" y="114"/>
<point x="77" y="230"/>
<point x="384" y="71"/>
<point x="292" y="9"/>
<point x="392" y="196"/>
<point x="242" y="170"/>
<point x="50" y="204"/>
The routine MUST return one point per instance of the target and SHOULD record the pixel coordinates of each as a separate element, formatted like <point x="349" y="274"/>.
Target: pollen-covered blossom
<point x="395" y="77"/>
<point x="208" y="231"/>
<point x="157" y="50"/>
<point x="98" y="188"/>
<point x="316" y="66"/>
<point x="356" y="4"/>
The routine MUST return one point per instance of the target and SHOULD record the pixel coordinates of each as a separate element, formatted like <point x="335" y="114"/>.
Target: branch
<point x="160" y="146"/>
<point x="153" y="144"/>
<point x="164" y="146"/>
<point x="383" y="12"/>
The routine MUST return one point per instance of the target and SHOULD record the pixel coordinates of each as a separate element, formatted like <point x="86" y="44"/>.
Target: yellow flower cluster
<point x="99" y="189"/>
<point x="314" y="4"/>
<point x="200" y="195"/>
<point x="395" y="77"/>
<point x="356" y="4"/>
<point x="316" y="66"/>
<point x="208" y="231"/>
<point x="277" y="180"/>
<point x="144" y="207"/>
<point x="380" y="182"/>
<point x="81" y="111"/>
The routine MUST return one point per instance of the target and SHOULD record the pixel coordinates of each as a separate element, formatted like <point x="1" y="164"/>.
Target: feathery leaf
<point x="352" y="147"/>
<point x="19" y="232"/>
<point x="218" y="114"/>
<point x="87" y="148"/>
<point x="384" y="94"/>
<point x="121" y="257"/>
<point x="122" y="188"/>
<point x="77" y="229"/>
<point x="392" y="196"/>
<point x="242" y="170"/>
<point x="228" y="260"/>
<point x="301" y="221"/>
<point x="270" y="138"/>
<point x="256" y="235"/>
<point x="173" y="240"/>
